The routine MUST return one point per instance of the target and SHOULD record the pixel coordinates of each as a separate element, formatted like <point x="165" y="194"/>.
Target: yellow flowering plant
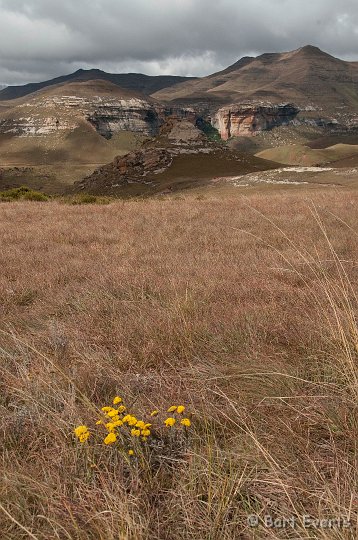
<point x="132" y="435"/>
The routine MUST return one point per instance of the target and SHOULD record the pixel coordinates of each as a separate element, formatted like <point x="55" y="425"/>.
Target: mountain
<point x="137" y="82"/>
<point x="306" y="77"/>
<point x="68" y="129"/>
<point x="180" y="158"/>
<point x="101" y="104"/>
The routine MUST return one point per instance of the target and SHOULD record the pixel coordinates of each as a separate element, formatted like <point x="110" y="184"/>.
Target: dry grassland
<point x="242" y="309"/>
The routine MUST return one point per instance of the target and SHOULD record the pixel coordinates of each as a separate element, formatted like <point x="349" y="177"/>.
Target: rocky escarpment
<point x="107" y="115"/>
<point x="128" y="115"/>
<point x="135" y="115"/>
<point x="250" y="119"/>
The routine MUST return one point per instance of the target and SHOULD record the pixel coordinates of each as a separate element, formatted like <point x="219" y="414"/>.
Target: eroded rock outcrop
<point x="177" y="137"/>
<point x="132" y="115"/>
<point x="45" y="116"/>
<point x="135" y="115"/>
<point x="252" y="118"/>
<point x="129" y="169"/>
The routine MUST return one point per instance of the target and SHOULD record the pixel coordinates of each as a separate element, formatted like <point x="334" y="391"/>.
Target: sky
<point x="41" y="39"/>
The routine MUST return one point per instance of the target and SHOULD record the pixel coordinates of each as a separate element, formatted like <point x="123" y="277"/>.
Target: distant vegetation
<point x="25" y="193"/>
<point x="85" y="198"/>
<point x="210" y="131"/>
<point x="22" y="193"/>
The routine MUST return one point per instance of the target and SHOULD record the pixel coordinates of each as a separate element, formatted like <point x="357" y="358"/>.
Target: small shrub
<point x="22" y="193"/>
<point x="35" y="196"/>
<point x="86" y="198"/>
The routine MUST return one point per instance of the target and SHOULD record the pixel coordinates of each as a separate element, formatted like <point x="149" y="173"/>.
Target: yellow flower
<point x="154" y="413"/>
<point x="145" y="432"/>
<point x="132" y="421"/>
<point x="140" y="424"/>
<point x="135" y="432"/>
<point x="80" y="430"/>
<point x="126" y="418"/>
<point x="115" y="418"/>
<point x="113" y="412"/>
<point x="83" y="438"/>
<point x="118" y="423"/>
<point x="117" y="400"/>
<point x="147" y="426"/>
<point x="121" y="409"/>
<point x="186" y="422"/>
<point x="169" y="422"/>
<point x="99" y="422"/>
<point x="110" y="439"/>
<point x="131" y="452"/>
<point x="180" y="409"/>
<point x="107" y="409"/>
<point x="172" y="409"/>
<point x="110" y="426"/>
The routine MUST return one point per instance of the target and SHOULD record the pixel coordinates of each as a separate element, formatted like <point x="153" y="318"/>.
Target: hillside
<point x="61" y="130"/>
<point x="306" y="77"/>
<point x="299" y="154"/>
<point x="137" y="82"/>
<point x="180" y="158"/>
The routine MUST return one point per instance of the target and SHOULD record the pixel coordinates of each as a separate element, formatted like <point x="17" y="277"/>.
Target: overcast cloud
<point x="41" y="39"/>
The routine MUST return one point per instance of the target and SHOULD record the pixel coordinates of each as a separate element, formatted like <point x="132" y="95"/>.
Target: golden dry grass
<point x="243" y="309"/>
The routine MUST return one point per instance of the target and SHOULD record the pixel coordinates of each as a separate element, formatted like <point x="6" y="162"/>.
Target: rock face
<point x="131" y="115"/>
<point x="143" y="162"/>
<point x="130" y="169"/>
<point x="135" y="115"/>
<point x="108" y="115"/>
<point x="250" y="119"/>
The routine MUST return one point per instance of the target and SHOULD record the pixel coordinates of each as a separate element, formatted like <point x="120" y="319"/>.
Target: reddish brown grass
<point x="244" y="309"/>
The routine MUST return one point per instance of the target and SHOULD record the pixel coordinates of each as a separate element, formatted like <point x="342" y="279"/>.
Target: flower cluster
<point x="82" y="433"/>
<point x="171" y="421"/>
<point x="121" y="426"/>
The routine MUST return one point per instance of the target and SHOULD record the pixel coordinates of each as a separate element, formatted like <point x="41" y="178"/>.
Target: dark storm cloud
<point x="40" y="39"/>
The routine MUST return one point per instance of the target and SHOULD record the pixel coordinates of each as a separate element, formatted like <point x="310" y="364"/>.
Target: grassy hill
<point x="299" y="154"/>
<point x="304" y="76"/>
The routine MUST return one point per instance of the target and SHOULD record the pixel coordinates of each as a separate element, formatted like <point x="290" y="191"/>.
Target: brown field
<point x="243" y="309"/>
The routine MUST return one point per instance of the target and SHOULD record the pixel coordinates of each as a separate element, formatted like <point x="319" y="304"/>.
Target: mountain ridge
<point x="145" y="84"/>
<point x="305" y="76"/>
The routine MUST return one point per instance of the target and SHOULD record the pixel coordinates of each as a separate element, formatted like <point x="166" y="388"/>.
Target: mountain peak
<point x="308" y="51"/>
<point x="312" y="51"/>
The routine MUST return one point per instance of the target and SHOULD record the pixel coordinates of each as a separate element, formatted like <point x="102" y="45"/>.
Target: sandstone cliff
<point x="108" y="115"/>
<point x="249" y="119"/>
